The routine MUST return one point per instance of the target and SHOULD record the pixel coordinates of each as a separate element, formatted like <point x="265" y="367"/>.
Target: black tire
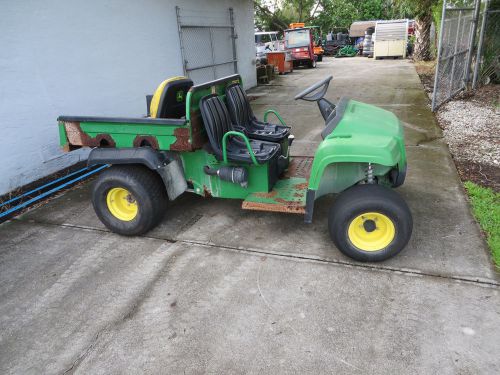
<point x="312" y="64"/>
<point x="147" y="191"/>
<point x="320" y="58"/>
<point x="366" y="199"/>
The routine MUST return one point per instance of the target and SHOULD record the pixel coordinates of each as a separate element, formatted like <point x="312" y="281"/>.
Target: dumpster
<point x="282" y="60"/>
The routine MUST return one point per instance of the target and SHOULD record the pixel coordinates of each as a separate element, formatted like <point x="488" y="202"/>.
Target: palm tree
<point x="421" y="10"/>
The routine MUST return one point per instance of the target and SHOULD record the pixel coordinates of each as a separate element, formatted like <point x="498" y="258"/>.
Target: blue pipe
<point x="43" y="195"/>
<point x="43" y="186"/>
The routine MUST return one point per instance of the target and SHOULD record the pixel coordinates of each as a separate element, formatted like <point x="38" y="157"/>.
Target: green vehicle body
<point x="365" y="136"/>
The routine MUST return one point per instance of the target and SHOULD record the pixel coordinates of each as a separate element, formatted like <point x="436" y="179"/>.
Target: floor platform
<point x="289" y="193"/>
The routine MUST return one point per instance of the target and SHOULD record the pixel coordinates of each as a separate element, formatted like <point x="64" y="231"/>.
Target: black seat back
<point x="169" y="99"/>
<point x="216" y="119"/>
<point x="238" y="105"/>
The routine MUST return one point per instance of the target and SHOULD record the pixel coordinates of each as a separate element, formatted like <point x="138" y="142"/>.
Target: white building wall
<point x="88" y="57"/>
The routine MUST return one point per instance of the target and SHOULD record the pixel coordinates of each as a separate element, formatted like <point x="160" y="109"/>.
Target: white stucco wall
<point x="88" y="57"/>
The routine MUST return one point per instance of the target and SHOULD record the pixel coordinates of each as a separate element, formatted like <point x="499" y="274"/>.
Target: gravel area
<point x="471" y="127"/>
<point x="472" y="130"/>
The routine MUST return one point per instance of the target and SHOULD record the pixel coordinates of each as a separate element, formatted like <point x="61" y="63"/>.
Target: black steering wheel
<point x="316" y="91"/>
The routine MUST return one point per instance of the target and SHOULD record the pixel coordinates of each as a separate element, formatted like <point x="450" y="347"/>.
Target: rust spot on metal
<point x="298" y="195"/>
<point x="145" y="140"/>
<point x="294" y="208"/>
<point x="289" y="204"/>
<point x="206" y="193"/>
<point x="181" y="140"/>
<point x="199" y="137"/>
<point x="77" y="137"/>
<point x="301" y="186"/>
<point x="300" y="166"/>
<point x="271" y="194"/>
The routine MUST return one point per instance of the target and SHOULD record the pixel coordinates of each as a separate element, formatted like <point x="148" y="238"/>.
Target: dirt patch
<point x="425" y="70"/>
<point x="481" y="174"/>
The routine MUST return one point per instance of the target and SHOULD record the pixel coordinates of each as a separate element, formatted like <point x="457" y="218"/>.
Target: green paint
<point x="245" y="139"/>
<point x="366" y="134"/>
<point x="275" y="112"/>
<point x="63" y="138"/>
<point x="124" y="133"/>
<point x="193" y="163"/>
<point x="188" y="106"/>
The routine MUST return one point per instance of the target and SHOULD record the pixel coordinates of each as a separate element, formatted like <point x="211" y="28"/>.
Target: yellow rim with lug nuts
<point x="122" y="204"/>
<point x="371" y="231"/>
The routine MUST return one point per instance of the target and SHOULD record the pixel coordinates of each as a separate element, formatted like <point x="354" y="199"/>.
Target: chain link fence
<point x="468" y="49"/>
<point x="487" y="68"/>
<point x="454" y="51"/>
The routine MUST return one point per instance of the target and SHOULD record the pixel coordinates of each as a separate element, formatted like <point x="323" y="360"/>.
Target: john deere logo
<point x="179" y="96"/>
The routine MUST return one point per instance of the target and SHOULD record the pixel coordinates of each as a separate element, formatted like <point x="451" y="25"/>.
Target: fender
<point x="351" y="152"/>
<point x="340" y="162"/>
<point x="165" y="164"/>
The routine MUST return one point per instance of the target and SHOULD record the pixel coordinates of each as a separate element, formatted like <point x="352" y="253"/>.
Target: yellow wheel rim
<point x="371" y="231"/>
<point x="122" y="204"/>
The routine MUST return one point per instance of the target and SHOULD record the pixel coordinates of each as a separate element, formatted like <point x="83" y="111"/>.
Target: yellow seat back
<point x="169" y="99"/>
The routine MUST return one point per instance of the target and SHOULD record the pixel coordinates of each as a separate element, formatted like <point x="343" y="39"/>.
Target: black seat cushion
<point x="243" y="118"/>
<point x="217" y="123"/>
<point x="170" y="98"/>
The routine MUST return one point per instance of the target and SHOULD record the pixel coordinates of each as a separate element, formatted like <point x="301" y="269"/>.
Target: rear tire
<point x="129" y="200"/>
<point x="312" y="64"/>
<point x="370" y="223"/>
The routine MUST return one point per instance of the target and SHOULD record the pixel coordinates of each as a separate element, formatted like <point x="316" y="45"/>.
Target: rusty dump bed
<point x="160" y="134"/>
<point x="288" y="194"/>
<point x="167" y="134"/>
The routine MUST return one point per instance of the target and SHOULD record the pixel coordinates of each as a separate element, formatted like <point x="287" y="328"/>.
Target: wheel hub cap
<point x="122" y="204"/>
<point x="371" y="231"/>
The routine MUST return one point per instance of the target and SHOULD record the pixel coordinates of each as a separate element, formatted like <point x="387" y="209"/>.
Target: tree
<point x="302" y="8"/>
<point x="336" y="14"/>
<point x="269" y="16"/>
<point x="421" y="10"/>
<point x="370" y="9"/>
<point x="277" y="15"/>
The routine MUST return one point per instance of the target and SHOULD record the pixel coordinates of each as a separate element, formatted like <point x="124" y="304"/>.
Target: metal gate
<point x="208" y="44"/>
<point x="456" y="38"/>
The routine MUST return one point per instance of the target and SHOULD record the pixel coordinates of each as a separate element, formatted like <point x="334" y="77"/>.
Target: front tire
<point x="129" y="200"/>
<point x="370" y="223"/>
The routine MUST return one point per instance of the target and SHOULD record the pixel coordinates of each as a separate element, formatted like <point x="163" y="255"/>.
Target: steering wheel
<point x="316" y="91"/>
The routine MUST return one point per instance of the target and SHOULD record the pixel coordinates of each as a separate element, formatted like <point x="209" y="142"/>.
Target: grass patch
<point x="486" y="208"/>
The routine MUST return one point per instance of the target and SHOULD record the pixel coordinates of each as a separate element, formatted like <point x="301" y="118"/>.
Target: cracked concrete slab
<point x="242" y="291"/>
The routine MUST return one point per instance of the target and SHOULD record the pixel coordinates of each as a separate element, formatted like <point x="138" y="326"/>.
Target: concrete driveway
<point x="215" y="289"/>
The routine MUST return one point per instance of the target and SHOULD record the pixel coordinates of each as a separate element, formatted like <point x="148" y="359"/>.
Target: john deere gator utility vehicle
<point x="205" y="139"/>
